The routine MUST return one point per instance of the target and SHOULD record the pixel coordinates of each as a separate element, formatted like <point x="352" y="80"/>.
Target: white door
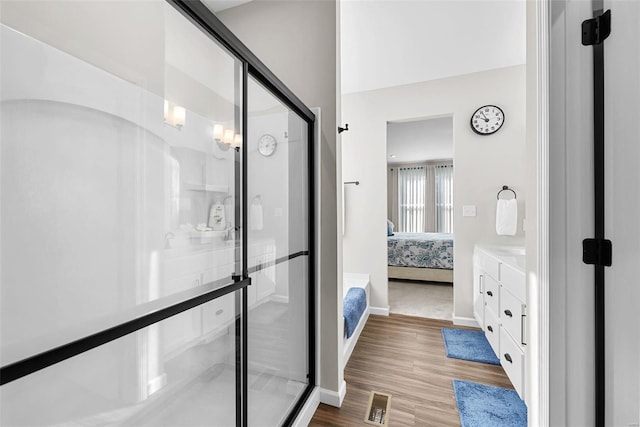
<point x="622" y="213"/>
<point x="572" y="385"/>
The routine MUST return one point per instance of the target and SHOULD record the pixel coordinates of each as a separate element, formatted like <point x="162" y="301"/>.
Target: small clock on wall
<point x="267" y="145"/>
<point x="487" y="120"/>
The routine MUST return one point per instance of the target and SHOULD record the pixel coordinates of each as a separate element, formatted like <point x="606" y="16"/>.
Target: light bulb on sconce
<point x="237" y="141"/>
<point x="218" y="134"/>
<point x="228" y="136"/>
<point x="179" y="116"/>
<point x="174" y="115"/>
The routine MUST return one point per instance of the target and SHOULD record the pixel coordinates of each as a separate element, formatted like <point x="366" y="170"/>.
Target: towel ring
<point x="506" y="188"/>
<point x="257" y="200"/>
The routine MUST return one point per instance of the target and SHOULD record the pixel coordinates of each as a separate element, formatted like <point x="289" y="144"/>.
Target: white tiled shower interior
<point x="97" y="195"/>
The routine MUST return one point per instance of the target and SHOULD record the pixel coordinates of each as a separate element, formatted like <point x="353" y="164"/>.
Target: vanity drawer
<point x="511" y="310"/>
<point x="489" y="264"/>
<point x="491" y="293"/>
<point x="492" y="330"/>
<point x="218" y="312"/>
<point x="513" y="280"/>
<point x="512" y="360"/>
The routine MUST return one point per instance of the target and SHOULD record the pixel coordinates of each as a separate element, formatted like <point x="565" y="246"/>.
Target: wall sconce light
<point x="226" y="138"/>
<point x="218" y="134"/>
<point x="237" y="141"/>
<point x="174" y="115"/>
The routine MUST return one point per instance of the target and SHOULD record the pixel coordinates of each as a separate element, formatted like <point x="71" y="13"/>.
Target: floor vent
<point x="378" y="409"/>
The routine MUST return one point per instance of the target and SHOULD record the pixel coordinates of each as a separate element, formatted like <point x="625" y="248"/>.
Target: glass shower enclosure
<point x="157" y="262"/>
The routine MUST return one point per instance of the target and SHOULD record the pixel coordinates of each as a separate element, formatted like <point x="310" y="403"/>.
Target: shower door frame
<point x="203" y="18"/>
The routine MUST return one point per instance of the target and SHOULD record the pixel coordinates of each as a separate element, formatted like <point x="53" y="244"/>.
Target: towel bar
<point x="506" y="188"/>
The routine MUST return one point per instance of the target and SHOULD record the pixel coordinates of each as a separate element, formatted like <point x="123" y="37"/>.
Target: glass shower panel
<point x="132" y="382"/>
<point x="118" y="171"/>
<point x="278" y="298"/>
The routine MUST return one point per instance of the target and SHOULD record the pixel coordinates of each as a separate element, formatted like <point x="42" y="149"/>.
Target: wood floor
<point x="404" y="356"/>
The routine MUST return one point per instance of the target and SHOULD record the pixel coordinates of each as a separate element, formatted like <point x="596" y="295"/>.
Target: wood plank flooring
<point x="404" y="356"/>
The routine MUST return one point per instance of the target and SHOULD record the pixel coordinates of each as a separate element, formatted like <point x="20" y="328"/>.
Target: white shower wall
<point x="86" y="176"/>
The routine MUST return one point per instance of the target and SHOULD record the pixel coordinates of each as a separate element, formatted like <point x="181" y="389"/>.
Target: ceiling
<point x="386" y="43"/>
<point x="420" y="140"/>
<point x="390" y="43"/>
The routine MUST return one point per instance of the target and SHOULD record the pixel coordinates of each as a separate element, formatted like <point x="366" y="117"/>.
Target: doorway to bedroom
<point x="420" y="230"/>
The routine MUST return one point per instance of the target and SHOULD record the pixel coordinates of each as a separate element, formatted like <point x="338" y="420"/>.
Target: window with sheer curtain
<point x="422" y="198"/>
<point x="444" y="198"/>
<point x="411" y="199"/>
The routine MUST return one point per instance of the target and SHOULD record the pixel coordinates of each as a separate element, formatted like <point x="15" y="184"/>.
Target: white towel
<point x="507" y="217"/>
<point x="256" y="217"/>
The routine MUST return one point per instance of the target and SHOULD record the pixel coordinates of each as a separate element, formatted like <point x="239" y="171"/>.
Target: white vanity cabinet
<point x="185" y="269"/>
<point x="500" y="305"/>
<point x="262" y="257"/>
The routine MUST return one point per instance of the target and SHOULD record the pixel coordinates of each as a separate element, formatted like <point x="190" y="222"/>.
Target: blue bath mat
<point x="482" y="405"/>
<point x="468" y="345"/>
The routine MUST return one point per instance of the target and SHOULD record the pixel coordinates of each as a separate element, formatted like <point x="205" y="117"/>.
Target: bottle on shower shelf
<point x="217" y="220"/>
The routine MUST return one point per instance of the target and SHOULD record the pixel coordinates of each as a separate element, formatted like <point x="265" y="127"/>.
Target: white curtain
<point x="444" y="198"/>
<point x="430" y="200"/>
<point x="411" y="199"/>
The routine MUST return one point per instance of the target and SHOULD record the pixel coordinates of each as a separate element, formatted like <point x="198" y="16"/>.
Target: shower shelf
<point x="192" y="186"/>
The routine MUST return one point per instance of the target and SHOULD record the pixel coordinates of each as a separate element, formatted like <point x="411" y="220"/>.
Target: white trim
<point x="465" y="321"/>
<point x="284" y="299"/>
<point x="350" y="344"/>
<point x="330" y="397"/>
<point x="308" y="410"/>
<point x="379" y="311"/>
<point x="543" y="53"/>
<point x="156" y="384"/>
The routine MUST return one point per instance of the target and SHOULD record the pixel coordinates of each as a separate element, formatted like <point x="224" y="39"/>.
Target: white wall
<point x="304" y="55"/>
<point x="482" y="164"/>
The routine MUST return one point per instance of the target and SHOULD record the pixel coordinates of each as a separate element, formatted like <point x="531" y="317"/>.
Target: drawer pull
<point x="508" y="313"/>
<point x="219" y="312"/>
<point x="508" y="357"/>
<point x="490" y="328"/>
<point x="490" y="293"/>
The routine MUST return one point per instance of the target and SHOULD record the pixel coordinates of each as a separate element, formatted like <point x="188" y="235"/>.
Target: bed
<point x="421" y="256"/>
<point x="359" y="282"/>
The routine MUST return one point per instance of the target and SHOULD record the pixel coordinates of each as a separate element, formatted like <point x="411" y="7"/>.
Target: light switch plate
<point x="469" y="210"/>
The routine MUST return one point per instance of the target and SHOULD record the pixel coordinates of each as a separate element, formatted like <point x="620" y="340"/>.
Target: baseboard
<point x="330" y="397"/>
<point x="380" y="311"/>
<point x="465" y="321"/>
<point x="156" y="384"/>
<point x="279" y="298"/>
<point x="350" y="343"/>
<point x="306" y="413"/>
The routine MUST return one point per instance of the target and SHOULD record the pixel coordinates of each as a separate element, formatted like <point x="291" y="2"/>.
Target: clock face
<point x="267" y="145"/>
<point x="487" y="120"/>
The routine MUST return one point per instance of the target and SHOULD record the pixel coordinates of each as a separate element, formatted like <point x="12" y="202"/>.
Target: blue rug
<point x="482" y="405"/>
<point x="468" y="345"/>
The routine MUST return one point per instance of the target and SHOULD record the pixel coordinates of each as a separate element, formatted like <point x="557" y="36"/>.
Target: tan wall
<point x="482" y="164"/>
<point x="304" y="55"/>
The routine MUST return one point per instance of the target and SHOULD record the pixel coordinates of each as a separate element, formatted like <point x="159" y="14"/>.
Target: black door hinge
<point x="596" y="30"/>
<point x="597" y="252"/>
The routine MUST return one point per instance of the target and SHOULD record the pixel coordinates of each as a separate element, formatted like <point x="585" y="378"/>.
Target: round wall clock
<point x="487" y="120"/>
<point x="267" y="145"/>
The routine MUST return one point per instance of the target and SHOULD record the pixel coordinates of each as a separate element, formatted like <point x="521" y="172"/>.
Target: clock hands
<point x="485" y="117"/>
